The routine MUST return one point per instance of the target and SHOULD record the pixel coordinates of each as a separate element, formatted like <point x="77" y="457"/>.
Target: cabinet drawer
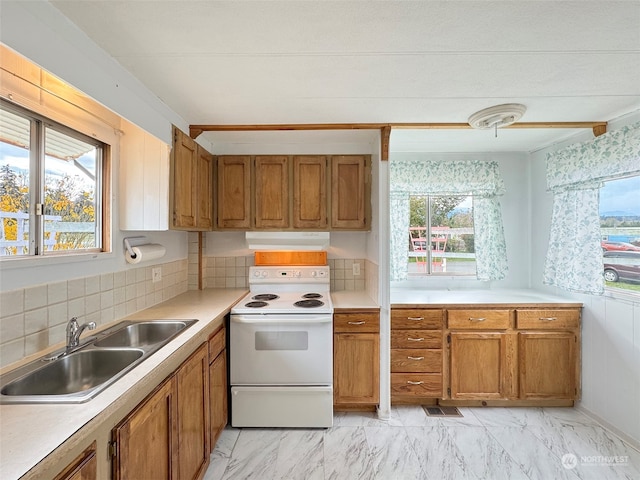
<point x="405" y="318"/>
<point x="216" y="344"/>
<point x="416" y="339"/>
<point x="356" y="322"/>
<point x="547" y="319"/>
<point x="478" y="319"/>
<point x="416" y="360"/>
<point x="416" y="385"/>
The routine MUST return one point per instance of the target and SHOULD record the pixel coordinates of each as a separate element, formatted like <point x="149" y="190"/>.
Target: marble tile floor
<point x="486" y="443"/>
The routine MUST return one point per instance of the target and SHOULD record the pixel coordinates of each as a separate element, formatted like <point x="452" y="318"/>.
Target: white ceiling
<point x="266" y="62"/>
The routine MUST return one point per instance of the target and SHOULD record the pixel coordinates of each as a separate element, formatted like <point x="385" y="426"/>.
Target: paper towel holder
<point x="133" y="242"/>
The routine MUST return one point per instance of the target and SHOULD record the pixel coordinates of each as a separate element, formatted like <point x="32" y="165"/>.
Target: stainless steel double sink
<point x="101" y="359"/>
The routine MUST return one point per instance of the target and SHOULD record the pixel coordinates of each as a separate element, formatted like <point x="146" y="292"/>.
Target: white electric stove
<point x="281" y="349"/>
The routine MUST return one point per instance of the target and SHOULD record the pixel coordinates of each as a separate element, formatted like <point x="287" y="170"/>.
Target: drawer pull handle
<point x="477" y="319"/>
<point x="415" y="339"/>
<point x="548" y="319"/>
<point x="357" y="323"/>
<point x="414" y="383"/>
<point x="415" y="319"/>
<point x="415" y="358"/>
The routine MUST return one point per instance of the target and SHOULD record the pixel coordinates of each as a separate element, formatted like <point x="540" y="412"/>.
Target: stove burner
<point x="256" y="304"/>
<point x="311" y="295"/>
<point x="309" y="303"/>
<point x="265" y="296"/>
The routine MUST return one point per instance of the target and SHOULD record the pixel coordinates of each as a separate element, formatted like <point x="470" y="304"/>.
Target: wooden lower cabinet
<point x="482" y="365"/>
<point x="167" y="435"/>
<point x="526" y="356"/>
<point x="192" y="386"/>
<point x="146" y="440"/>
<point x="356" y="359"/>
<point x="547" y="365"/>
<point x="85" y="467"/>
<point x="217" y="385"/>
<point x="416" y="355"/>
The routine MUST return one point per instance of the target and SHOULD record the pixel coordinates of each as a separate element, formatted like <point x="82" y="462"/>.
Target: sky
<point x="621" y="195"/>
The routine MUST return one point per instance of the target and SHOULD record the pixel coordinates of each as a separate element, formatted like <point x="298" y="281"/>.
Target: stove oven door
<point x="285" y="349"/>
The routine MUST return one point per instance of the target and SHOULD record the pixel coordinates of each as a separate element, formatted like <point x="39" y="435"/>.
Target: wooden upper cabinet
<point x="204" y="192"/>
<point x="192" y="184"/>
<point x="234" y="191"/>
<point x="350" y="191"/>
<point x="310" y="192"/>
<point x="272" y="191"/>
<point x="184" y="168"/>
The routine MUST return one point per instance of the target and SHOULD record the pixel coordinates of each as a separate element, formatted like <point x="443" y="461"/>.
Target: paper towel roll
<point x="144" y="253"/>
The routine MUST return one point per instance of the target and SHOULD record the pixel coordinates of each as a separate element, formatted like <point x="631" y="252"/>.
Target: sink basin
<point x="73" y="373"/>
<point x="98" y="362"/>
<point x="142" y="334"/>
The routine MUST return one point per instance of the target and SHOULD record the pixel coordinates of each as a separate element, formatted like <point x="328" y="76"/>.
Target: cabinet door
<point x="272" y="191"/>
<point x="192" y="387"/>
<point x="218" y="396"/>
<point x="310" y="192"/>
<point x="85" y="467"/>
<point x="350" y="191"/>
<point x="151" y="423"/>
<point x="482" y="366"/>
<point x="356" y="364"/>
<point x="547" y="365"/>
<point x="234" y="192"/>
<point x="185" y="166"/>
<point x="204" y="200"/>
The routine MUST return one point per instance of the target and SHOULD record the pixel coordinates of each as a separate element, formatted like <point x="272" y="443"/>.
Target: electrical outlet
<point x="356" y="269"/>
<point x="156" y="274"/>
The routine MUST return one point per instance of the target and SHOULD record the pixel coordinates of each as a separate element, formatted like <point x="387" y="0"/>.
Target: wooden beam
<point x="385" y="133"/>
<point x="599" y="130"/>
<point x="195" y="130"/>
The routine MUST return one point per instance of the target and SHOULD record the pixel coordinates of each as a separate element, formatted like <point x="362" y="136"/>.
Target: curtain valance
<point x="441" y="177"/>
<point x="612" y="155"/>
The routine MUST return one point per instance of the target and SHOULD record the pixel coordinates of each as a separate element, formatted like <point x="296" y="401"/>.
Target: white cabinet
<point x="144" y="180"/>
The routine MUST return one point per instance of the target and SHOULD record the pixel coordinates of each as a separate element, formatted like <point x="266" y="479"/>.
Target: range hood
<point x="287" y="240"/>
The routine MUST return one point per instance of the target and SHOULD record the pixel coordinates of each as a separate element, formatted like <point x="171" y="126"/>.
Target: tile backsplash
<point x="34" y="318"/>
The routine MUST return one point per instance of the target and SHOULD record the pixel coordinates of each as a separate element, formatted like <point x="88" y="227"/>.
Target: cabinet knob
<point x="548" y="319"/>
<point x="477" y="319"/>
<point x="415" y="358"/>
<point x="357" y="323"/>
<point x="414" y="383"/>
<point x="415" y="339"/>
<point x="415" y="319"/>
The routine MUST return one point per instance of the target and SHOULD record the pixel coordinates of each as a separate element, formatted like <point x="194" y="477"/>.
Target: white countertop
<point x="33" y="434"/>
<point x="402" y="297"/>
<point x="352" y="299"/>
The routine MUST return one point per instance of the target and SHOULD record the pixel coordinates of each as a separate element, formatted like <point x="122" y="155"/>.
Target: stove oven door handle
<point x="281" y="319"/>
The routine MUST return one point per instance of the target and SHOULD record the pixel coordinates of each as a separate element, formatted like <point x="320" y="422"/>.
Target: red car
<point x="619" y="247"/>
<point x="621" y="266"/>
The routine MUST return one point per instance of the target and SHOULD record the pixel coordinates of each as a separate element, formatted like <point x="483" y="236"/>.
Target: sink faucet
<point x="74" y="331"/>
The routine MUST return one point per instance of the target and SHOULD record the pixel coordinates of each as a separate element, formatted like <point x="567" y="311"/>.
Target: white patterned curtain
<point x="575" y="175"/>
<point x="442" y="177"/>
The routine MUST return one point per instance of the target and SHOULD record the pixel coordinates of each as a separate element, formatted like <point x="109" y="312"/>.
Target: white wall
<point x="610" y="323"/>
<point x="40" y="33"/>
<point x="515" y="204"/>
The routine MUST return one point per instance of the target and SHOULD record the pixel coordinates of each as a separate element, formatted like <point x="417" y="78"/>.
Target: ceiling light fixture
<point x="498" y="116"/>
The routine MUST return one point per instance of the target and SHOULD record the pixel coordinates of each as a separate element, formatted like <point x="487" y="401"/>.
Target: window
<point x="51" y="186"/>
<point x="441" y="235"/>
<point x="620" y="230"/>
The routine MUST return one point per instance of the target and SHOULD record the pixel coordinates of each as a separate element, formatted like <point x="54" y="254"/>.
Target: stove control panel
<point x="288" y="275"/>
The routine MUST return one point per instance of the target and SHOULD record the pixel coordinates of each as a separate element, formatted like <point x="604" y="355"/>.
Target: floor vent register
<point x="442" y="411"/>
